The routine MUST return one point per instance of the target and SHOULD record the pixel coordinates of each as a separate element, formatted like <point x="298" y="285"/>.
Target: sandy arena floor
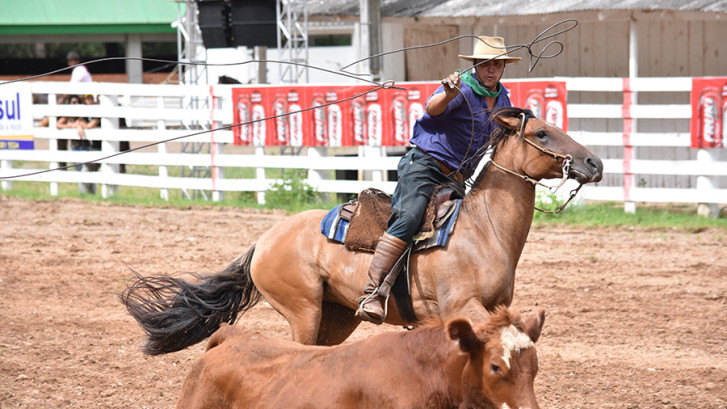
<point x="635" y="318"/>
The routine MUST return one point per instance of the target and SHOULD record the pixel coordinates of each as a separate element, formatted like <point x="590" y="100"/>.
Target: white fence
<point x="154" y="113"/>
<point x="651" y="141"/>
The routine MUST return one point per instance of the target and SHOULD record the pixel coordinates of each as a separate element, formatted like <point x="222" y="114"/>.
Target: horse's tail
<point x="175" y="313"/>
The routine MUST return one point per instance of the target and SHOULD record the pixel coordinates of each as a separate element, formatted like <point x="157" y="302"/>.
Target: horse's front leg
<point x="471" y="308"/>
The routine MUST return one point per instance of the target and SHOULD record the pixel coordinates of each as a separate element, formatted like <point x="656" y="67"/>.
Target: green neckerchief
<point x="478" y="88"/>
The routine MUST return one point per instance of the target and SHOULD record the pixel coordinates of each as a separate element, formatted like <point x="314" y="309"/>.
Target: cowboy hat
<point x="490" y="48"/>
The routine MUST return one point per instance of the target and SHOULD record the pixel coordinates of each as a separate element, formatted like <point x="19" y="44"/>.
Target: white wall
<point x="328" y="58"/>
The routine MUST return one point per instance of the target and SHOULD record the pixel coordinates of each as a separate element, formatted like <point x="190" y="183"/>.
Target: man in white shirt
<point x="80" y="72"/>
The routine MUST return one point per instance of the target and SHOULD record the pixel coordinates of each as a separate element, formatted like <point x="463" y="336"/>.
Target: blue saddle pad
<point x="335" y="228"/>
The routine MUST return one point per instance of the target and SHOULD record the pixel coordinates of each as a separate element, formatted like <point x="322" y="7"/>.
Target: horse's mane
<point x="500" y="133"/>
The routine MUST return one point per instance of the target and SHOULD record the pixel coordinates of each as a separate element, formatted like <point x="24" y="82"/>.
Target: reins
<point x="567" y="159"/>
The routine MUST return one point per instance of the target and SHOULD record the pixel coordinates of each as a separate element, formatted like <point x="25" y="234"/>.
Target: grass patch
<point x="294" y="195"/>
<point x="646" y="216"/>
<point x="127" y="195"/>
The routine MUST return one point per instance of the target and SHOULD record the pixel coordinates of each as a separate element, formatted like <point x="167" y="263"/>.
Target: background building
<point x="36" y="35"/>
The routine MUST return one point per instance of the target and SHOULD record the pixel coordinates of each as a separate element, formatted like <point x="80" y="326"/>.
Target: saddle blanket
<point x="335" y="228"/>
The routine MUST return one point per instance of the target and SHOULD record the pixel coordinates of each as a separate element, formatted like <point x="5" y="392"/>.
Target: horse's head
<point x="531" y="147"/>
<point x="503" y="361"/>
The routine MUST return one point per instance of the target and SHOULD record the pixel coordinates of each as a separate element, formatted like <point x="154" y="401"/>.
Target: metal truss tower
<point x="293" y="40"/>
<point x="192" y="70"/>
<point x="292" y="24"/>
<point x="191" y="52"/>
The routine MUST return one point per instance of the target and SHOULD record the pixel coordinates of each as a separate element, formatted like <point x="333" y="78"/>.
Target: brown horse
<point x="314" y="282"/>
<point x="441" y="365"/>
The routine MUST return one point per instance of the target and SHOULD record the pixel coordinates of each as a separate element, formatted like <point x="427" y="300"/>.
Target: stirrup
<point x="361" y="313"/>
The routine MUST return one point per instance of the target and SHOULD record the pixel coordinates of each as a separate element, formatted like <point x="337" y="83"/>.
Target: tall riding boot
<point x="388" y="251"/>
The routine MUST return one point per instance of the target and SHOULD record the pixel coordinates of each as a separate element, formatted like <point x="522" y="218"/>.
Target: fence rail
<point x="183" y="114"/>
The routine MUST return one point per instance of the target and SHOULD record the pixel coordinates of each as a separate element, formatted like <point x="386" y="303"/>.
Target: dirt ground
<point x="635" y="318"/>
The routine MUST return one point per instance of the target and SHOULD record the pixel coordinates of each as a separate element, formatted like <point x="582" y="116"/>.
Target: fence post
<point x="260" y="174"/>
<point x="315" y="176"/>
<point x="372" y="152"/>
<point x="630" y="98"/>
<point x="218" y="172"/>
<point x="108" y="171"/>
<point x="7" y="184"/>
<point x="162" y="149"/>
<point x="705" y="183"/>
<point x="215" y="149"/>
<point x="53" y="143"/>
<point x="629" y="127"/>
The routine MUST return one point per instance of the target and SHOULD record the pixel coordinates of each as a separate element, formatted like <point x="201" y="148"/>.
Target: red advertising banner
<point x="307" y="115"/>
<point x="708" y="127"/>
<point x="547" y="100"/>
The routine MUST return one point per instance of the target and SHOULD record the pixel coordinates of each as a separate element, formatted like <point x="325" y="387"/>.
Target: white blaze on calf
<point x="506" y="406"/>
<point x="513" y="340"/>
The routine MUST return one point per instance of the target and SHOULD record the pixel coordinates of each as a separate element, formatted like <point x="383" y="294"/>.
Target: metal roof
<point x="25" y="17"/>
<point x="480" y="8"/>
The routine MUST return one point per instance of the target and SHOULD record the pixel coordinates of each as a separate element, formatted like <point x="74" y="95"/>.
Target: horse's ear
<point x="460" y="330"/>
<point x="534" y="324"/>
<point x="508" y="122"/>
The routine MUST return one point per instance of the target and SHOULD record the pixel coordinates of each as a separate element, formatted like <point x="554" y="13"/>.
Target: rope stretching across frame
<point x="535" y="57"/>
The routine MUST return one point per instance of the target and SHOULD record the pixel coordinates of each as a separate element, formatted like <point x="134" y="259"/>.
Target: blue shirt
<point x="447" y="136"/>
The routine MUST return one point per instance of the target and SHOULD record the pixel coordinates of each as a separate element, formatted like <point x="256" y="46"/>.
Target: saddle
<point x="368" y="216"/>
<point x="360" y="223"/>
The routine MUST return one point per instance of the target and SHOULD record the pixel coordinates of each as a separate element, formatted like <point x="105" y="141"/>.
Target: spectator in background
<point x="89" y="99"/>
<point x="82" y="144"/>
<point x="80" y="72"/>
<point x="78" y="123"/>
<point x="67" y="122"/>
<point x="95" y="145"/>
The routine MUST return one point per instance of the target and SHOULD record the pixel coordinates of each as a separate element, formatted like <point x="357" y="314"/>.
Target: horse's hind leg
<point x="303" y="315"/>
<point x="290" y="268"/>
<point x="337" y="324"/>
<point x="288" y="283"/>
<point x="313" y="321"/>
<point x="329" y="324"/>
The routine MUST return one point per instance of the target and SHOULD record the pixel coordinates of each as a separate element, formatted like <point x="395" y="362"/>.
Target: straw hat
<point x="487" y="48"/>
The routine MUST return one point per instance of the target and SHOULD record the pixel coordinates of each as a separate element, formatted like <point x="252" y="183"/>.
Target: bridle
<point x="566" y="159"/>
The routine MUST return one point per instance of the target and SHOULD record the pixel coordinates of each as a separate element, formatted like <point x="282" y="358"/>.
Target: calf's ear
<point x="534" y="324"/>
<point x="460" y="330"/>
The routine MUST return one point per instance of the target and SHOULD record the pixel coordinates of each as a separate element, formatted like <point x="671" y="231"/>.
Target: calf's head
<point x="502" y="360"/>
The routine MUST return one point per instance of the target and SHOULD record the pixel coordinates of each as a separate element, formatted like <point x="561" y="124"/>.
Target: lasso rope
<point x="535" y="57"/>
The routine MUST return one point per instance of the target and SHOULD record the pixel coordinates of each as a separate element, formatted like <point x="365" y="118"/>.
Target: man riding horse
<point x="444" y="153"/>
<point x="314" y="282"/>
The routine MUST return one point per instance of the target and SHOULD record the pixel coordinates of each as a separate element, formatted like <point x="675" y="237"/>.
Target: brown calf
<point x="444" y="365"/>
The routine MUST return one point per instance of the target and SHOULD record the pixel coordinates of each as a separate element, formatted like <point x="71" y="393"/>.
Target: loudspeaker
<point x="254" y="22"/>
<point x="214" y="22"/>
